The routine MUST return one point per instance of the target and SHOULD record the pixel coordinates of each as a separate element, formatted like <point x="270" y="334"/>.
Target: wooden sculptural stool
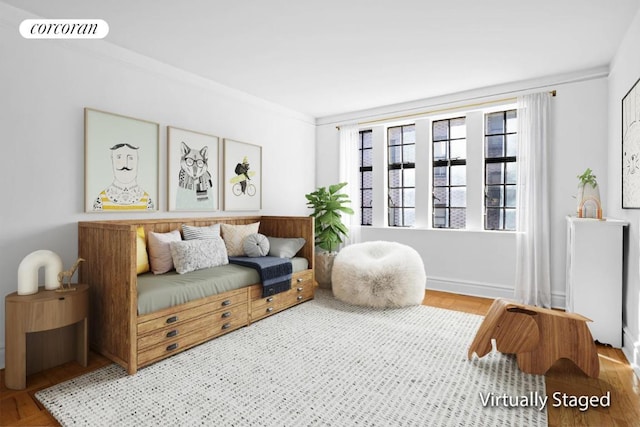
<point x="537" y="336"/>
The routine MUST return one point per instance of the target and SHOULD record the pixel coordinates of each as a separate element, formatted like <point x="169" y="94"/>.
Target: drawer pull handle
<point x="269" y="310"/>
<point x="172" y="333"/>
<point x="300" y="279"/>
<point x="299" y="297"/>
<point x="226" y="303"/>
<point x="226" y="314"/>
<point x="172" y="346"/>
<point x="300" y="289"/>
<point x="172" y="319"/>
<point x="226" y="326"/>
<point x="269" y="299"/>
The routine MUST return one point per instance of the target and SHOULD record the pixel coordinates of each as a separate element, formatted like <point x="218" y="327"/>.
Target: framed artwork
<point x="631" y="148"/>
<point x="193" y="170"/>
<point x="242" y="176"/>
<point x="121" y="163"/>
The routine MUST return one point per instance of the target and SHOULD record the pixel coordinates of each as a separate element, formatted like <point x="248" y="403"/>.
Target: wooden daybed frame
<point x="119" y="333"/>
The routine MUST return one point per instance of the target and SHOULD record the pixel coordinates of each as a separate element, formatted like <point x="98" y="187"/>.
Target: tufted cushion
<point x="234" y="236"/>
<point x="256" y="245"/>
<point x="379" y="274"/>
<point x="191" y="255"/>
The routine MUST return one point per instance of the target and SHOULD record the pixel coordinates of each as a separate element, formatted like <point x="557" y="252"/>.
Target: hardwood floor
<point x="616" y="377"/>
<point x="20" y="408"/>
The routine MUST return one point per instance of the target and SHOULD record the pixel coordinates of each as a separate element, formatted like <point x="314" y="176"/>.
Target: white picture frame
<point x="242" y="190"/>
<point x="121" y="163"/>
<point x="631" y="148"/>
<point x="193" y="171"/>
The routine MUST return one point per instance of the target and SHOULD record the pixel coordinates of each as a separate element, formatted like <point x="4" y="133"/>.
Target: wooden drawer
<point x="173" y="319"/>
<point x="192" y="338"/>
<point x="210" y="320"/>
<point x="301" y="279"/>
<point x="298" y="295"/>
<point x="267" y="306"/>
<point x="269" y="301"/>
<point x="264" y="311"/>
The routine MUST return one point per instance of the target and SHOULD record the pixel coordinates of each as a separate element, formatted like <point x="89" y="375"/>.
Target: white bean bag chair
<point x="379" y="274"/>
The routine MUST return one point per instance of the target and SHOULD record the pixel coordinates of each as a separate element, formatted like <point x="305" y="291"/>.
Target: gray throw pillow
<point x="285" y="247"/>
<point x="256" y="245"/>
<point x="191" y="232"/>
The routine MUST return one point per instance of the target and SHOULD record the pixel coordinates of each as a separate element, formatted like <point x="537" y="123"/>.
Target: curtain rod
<point x="441" y="110"/>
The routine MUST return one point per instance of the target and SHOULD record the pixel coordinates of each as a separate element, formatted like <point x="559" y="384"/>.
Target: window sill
<point x="439" y="230"/>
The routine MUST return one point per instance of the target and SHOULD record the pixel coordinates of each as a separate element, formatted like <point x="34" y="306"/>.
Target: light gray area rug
<point x="322" y="363"/>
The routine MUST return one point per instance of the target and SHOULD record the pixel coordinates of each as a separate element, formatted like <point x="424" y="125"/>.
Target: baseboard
<point x="1" y="357"/>
<point x="631" y="350"/>
<point x="485" y="290"/>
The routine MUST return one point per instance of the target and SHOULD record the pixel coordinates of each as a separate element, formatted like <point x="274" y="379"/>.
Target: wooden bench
<point x="537" y="336"/>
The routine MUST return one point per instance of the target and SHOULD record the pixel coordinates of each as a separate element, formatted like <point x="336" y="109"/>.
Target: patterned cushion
<point x="142" y="258"/>
<point x="160" y="250"/>
<point x="191" y="255"/>
<point x="256" y="245"/>
<point x="234" y="236"/>
<point x="209" y="232"/>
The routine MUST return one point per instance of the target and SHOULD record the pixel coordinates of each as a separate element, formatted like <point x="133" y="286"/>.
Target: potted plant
<point x="328" y="206"/>
<point x="589" y="205"/>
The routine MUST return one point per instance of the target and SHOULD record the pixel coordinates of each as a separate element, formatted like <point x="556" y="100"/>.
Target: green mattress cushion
<point x="156" y="292"/>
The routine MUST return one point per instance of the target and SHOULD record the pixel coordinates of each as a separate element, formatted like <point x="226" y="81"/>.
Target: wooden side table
<point x="44" y="311"/>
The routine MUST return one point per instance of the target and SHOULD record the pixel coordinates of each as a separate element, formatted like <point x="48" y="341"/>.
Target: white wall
<point x="44" y="86"/>
<point x="625" y="71"/>
<point x="483" y="263"/>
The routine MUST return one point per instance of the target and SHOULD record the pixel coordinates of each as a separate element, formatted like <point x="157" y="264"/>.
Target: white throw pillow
<point x="159" y="247"/>
<point x="256" y="245"/>
<point x="191" y="255"/>
<point x="234" y="235"/>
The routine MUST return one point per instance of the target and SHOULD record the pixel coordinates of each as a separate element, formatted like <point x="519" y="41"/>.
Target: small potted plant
<point x="589" y="205"/>
<point x="328" y="206"/>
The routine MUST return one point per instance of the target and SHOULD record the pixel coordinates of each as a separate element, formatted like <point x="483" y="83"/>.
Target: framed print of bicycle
<point x="242" y="176"/>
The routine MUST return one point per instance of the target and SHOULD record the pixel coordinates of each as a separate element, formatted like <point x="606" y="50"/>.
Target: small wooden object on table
<point x="537" y="336"/>
<point x="29" y="348"/>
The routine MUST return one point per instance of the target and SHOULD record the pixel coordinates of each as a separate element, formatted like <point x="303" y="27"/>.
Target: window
<point x="459" y="170"/>
<point x="500" y="146"/>
<point x="449" y="138"/>
<point x="401" y="143"/>
<point x="366" y="176"/>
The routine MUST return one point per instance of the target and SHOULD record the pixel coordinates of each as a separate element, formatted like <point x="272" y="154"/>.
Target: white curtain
<point x="533" y="282"/>
<point x="349" y="172"/>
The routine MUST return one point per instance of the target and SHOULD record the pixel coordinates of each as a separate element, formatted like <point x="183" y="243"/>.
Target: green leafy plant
<point x="328" y="207"/>
<point x="588" y="178"/>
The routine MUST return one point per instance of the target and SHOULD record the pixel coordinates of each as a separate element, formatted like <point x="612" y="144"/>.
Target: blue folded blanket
<point x="275" y="272"/>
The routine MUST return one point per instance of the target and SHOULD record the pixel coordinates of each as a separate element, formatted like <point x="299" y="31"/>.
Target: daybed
<point x="134" y="340"/>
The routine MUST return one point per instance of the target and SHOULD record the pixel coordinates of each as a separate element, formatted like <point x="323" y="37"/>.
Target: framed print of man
<point x="121" y="163"/>
<point x="124" y="193"/>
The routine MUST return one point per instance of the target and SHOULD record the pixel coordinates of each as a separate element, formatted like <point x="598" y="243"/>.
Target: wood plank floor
<point x="20" y="408"/>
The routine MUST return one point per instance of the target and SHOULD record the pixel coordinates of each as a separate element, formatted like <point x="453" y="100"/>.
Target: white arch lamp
<point x="31" y="264"/>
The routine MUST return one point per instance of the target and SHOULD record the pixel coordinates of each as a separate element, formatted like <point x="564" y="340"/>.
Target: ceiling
<point x="329" y="57"/>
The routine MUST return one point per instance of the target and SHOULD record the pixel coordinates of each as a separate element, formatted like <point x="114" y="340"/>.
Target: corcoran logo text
<point x="64" y="29"/>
